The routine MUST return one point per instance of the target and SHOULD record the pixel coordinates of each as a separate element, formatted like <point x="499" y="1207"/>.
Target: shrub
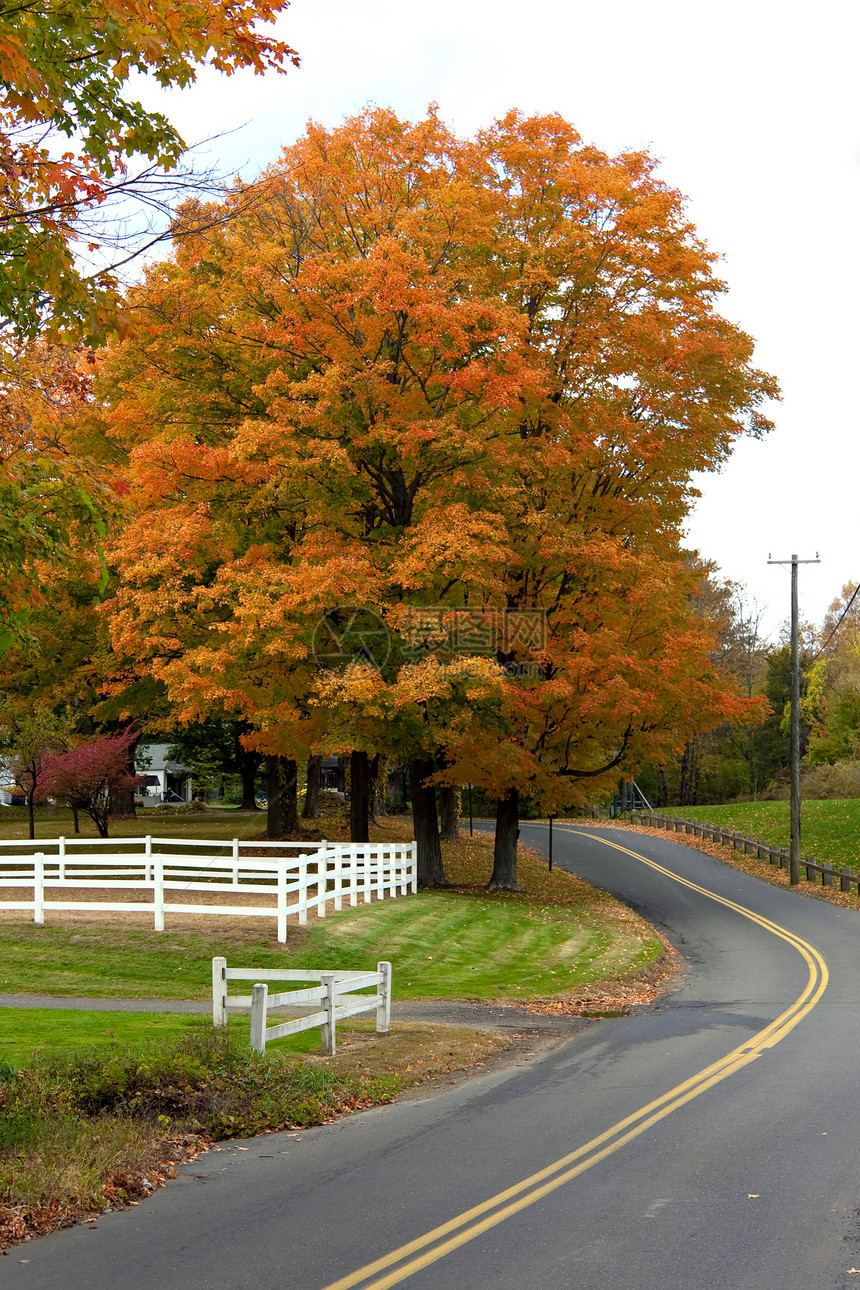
<point x="842" y="779"/>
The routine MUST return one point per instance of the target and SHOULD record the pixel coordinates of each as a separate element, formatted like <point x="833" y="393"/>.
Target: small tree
<point x="31" y="737"/>
<point x="89" y="778"/>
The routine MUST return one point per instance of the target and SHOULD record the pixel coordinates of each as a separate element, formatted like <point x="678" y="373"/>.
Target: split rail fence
<point x="73" y="874"/>
<point x="846" y="878"/>
<point x="332" y="998"/>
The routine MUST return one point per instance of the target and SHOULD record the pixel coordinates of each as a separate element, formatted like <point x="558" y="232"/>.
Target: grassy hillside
<point x="830" y="831"/>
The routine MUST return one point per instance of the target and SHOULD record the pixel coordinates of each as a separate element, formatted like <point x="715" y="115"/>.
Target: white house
<point x="8" y="787"/>
<point x="163" y="780"/>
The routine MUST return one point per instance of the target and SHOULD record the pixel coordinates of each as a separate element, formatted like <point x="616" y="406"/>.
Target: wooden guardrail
<point x="332" y="998"/>
<point x="749" y="846"/>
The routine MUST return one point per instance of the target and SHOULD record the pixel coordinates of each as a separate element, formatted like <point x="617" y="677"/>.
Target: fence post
<point x="338" y="876"/>
<point x="39" y="887"/>
<point x="367" y="880"/>
<point x="352" y="878"/>
<point x="826" y="873"/>
<point x="158" y="890"/>
<point x="387" y="857"/>
<point x="328" y="1046"/>
<point x="259" y="1000"/>
<point x="322" y="879"/>
<point x="282" y="899"/>
<point x="844" y="879"/>
<point x="219" y="992"/>
<point x="302" y="876"/>
<point x="61" y="859"/>
<point x="383" y="1012"/>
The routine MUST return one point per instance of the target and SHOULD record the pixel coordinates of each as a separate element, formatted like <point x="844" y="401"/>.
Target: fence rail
<point x="295" y="877"/>
<point x="334" y="998"/>
<point x="749" y="846"/>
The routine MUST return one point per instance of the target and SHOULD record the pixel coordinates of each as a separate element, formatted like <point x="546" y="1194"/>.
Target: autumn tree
<point x="90" y="776"/>
<point x="465" y="385"/>
<point x="68" y="132"/>
<point x="725" y="761"/>
<point x="85" y="169"/>
<point x="31" y="734"/>
<point x="832" y="703"/>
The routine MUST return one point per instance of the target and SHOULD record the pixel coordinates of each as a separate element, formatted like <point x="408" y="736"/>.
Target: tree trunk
<point x="76" y="819"/>
<point x="311" y="808"/>
<point x="375" y="798"/>
<point x="122" y="801"/>
<point x="282" y="812"/>
<point x="31" y="814"/>
<point x="340" y="775"/>
<point x="687" y="792"/>
<point x="426" y="826"/>
<point x="396" y="788"/>
<point x="448" y="804"/>
<point x="122" y="804"/>
<point x="504" y="876"/>
<point x="248" y="764"/>
<point x="359" y="801"/>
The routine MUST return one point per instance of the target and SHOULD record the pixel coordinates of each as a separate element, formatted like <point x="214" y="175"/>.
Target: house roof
<point x="153" y="757"/>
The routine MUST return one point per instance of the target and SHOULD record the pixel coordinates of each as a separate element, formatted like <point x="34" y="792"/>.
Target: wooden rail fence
<point x="296" y="877"/>
<point x="332" y="998"/>
<point x="742" y="842"/>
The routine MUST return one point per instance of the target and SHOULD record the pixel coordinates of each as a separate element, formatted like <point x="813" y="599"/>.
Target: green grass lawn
<point x="27" y="1031"/>
<point x="221" y="823"/>
<point x="830" y="831"/>
<point x="461" y="943"/>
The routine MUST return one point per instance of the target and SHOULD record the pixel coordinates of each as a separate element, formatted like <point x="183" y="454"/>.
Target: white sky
<point x="752" y="108"/>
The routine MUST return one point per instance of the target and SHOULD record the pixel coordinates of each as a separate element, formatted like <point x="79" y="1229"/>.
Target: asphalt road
<point x="710" y="1143"/>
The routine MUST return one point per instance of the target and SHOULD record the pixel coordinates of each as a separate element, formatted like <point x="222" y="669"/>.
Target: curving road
<point x="710" y="1143"/>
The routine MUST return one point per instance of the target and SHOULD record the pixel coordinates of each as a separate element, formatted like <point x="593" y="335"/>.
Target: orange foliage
<point x="420" y="373"/>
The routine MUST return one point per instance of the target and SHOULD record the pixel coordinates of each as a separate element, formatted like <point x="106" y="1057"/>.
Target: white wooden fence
<point x="297" y="878"/>
<point x="335" y="991"/>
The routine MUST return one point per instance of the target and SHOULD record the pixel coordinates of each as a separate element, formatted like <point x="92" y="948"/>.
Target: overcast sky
<point x="752" y="109"/>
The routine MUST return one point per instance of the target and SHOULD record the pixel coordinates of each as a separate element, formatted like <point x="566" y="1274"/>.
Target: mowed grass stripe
<point x="460" y="943"/>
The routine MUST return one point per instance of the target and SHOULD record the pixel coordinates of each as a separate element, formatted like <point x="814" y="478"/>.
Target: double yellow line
<point x="433" y="1245"/>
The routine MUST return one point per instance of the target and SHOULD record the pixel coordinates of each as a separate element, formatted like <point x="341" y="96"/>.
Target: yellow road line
<point x="473" y="1222"/>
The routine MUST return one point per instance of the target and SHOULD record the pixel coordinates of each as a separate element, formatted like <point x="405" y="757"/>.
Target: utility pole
<point x="794" y="854"/>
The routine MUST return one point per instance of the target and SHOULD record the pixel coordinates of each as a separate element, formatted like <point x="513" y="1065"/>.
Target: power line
<point x="839" y="624"/>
